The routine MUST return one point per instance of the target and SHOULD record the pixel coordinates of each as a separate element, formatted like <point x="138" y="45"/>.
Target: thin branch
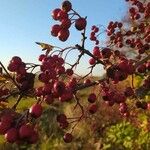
<point x="9" y="76"/>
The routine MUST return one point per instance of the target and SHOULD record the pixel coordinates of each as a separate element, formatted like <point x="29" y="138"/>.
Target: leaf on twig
<point x="45" y="47"/>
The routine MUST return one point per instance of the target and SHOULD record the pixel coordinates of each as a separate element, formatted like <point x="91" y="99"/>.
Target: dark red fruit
<point x="49" y="99"/>
<point x="4" y="126"/>
<point x="63" y="35"/>
<point x="66" y="6"/>
<point x="93" y="108"/>
<point x="55" y="29"/>
<point x="62" y="15"/>
<point x="11" y="135"/>
<point x="92" y="61"/>
<point x="55" y="13"/>
<point x="92" y="98"/>
<point x="80" y="24"/>
<point x="25" y="131"/>
<point x="36" y="110"/>
<point x="59" y="87"/>
<point x="68" y="138"/>
<point x="61" y="118"/>
<point x="65" y="23"/>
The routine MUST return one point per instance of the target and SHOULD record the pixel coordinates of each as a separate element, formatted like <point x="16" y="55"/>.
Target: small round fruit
<point x="25" y="131"/>
<point x="93" y="108"/>
<point x="80" y="24"/>
<point x="92" y="98"/>
<point x="55" y="13"/>
<point x="67" y="137"/>
<point x="36" y="110"/>
<point x="66" y="6"/>
<point x="11" y="135"/>
<point x="63" y="35"/>
<point x="61" y="118"/>
<point x="55" y="29"/>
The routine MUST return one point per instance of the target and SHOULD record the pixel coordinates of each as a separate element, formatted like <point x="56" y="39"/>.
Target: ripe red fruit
<point x="92" y="98"/>
<point x="63" y="125"/>
<point x="4" y="126"/>
<point x="25" y="131"/>
<point x="16" y="60"/>
<point x="59" y="87"/>
<point x="67" y="137"/>
<point x="36" y="110"/>
<point x="148" y="66"/>
<point x="87" y="81"/>
<point x="7" y="118"/>
<point x="69" y="72"/>
<point x="106" y="53"/>
<point x="66" y="6"/>
<point x="65" y="23"/>
<point x="141" y="68"/>
<point x="80" y="24"/>
<point x="61" y="118"/>
<point x="55" y="13"/>
<point x="96" y="51"/>
<point x="123" y="65"/>
<point x="41" y="57"/>
<point x="11" y="135"/>
<point x="62" y="15"/>
<point x="63" y="35"/>
<point x="92" y="61"/>
<point x="55" y="29"/>
<point x="66" y="96"/>
<point x="49" y="99"/>
<point x="93" y="108"/>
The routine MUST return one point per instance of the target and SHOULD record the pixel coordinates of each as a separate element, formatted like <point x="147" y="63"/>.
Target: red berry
<point x="11" y="135"/>
<point x="69" y="72"/>
<point x="35" y="110"/>
<point x="106" y="53"/>
<point x="49" y="99"/>
<point x="59" y="87"/>
<point x="61" y="118"/>
<point x="92" y="61"/>
<point x="65" y="23"/>
<point x="63" y="35"/>
<point x="16" y="60"/>
<point x="55" y="29"/>
<point x="141" y="68"/>
<point x="67" y="137"/>
<point x="25" y="131"/>
<point x="62" y="15"/>
<point x="96" y="51"/>
<point x="41" y="57"/>
<point x="80" y="24"/>
<point x="66" y="6"/>
<point x="92" y="98"/>
<point x="93" y="108"/>
<point x="55" y="13"/>
<point x="4" y="126"/>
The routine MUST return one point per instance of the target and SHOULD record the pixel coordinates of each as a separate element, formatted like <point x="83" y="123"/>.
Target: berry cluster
<point x="66" y="20"/>
<point x="17" y="130"/>
<point x="93" y="36"/>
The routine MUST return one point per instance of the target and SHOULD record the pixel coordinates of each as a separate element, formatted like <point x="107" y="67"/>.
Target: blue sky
<point x="23" y="22"/>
